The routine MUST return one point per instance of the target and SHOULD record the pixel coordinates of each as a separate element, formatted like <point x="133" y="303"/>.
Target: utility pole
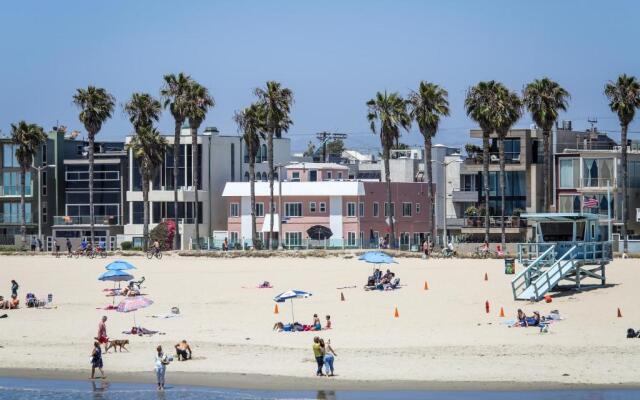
<point x="324" y="137"/>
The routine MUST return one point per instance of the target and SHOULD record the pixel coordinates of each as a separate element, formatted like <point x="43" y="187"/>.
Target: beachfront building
<point x="352" y="213"/>
<point x="222" y="159"/>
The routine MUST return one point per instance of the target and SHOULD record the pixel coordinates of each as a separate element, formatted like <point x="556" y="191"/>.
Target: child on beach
<point x="161" y="363"/>
<point x="328" y="323"/>
<point x="96" y="360"/>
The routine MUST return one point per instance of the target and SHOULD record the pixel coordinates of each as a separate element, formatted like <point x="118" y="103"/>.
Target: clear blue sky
<point x="334" y="55"/>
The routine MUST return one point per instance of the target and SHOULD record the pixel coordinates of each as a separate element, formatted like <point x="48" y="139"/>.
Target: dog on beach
<point x="115" y="344"/>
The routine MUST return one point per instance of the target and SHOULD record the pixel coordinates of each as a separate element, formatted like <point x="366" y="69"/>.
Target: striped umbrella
<point x="133" y="304"/>
<point x="290" y="295"/>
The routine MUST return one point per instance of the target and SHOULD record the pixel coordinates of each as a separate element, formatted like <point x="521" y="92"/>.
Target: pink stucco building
<point x="318" y="194"/>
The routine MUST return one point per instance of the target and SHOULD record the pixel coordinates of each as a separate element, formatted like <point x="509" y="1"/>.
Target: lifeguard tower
<point x="568" y="247"/>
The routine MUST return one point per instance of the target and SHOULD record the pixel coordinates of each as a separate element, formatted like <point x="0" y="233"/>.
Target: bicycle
<point x="157" y="253"/>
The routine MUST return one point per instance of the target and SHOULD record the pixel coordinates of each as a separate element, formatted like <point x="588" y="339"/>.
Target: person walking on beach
<point x="96" y="360"/>
<point x="318" y="353"/>
<point x="102" y="332"/>
<point x="69" y="247"/>
<point x="33" y="244"/>
<point x="14" y="288"/>
<point x="161" y="363"/>
<point x="329" y="356"/>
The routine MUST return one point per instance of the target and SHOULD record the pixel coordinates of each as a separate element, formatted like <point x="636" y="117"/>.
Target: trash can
<point x="509" y="266"/>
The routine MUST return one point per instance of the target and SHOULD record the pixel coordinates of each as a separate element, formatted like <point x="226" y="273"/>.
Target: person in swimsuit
<point x="183" y="351"/>
<point x="328" y="322"/>
<point x="102" y="332"/>
<point x="96" y="360"/>
<point x="317" y="326"/>
<point x="14" y="287"/>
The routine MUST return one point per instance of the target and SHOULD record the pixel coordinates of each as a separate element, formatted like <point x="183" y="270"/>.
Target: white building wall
<point x="246" y="231"/>
<point x="335" y="216"/>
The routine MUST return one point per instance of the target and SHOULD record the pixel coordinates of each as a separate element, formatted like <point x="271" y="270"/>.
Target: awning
<point x="267" y="222"/>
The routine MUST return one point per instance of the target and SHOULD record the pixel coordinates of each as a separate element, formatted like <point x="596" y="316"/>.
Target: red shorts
<point x="103" y="339"/>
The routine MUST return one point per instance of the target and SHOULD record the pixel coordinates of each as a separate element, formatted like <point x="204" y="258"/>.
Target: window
<point x="328" y="174"/>
<point x="44" y="154"/>
<point x="569" y="173"/>
<point x="406" y="209"/>
<point x="234" y="210"/>
<point x="234" y="237"/>
<point x="13" y="213"/>
<point x="339" y="175"/>
<point x="361" y="209"/>
<point x="9" y="155"/>
<point x="293" y="238"/>
<point x="351" y="239"/>
<point x="404" y="238"/>
<point x="293" y="209"/>
<point x="351" y="209"/>
<point x="11" y="184"/>
<point x="323" y="207"/>
<point x="417" y="208"/>
<point x="312" y="206"/>
<point x="295" y="176"/>
<point x="259" y="209"/>
<point x="44" y="214"/>
<point x="376" y="209"/>
<point x="386" y="209"/>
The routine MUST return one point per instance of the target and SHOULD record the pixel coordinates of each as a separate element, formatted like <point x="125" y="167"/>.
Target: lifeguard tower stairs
<point x="568" y="249"/>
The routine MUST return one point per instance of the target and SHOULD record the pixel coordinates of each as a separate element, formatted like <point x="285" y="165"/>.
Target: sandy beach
<point x="442" y="339"/>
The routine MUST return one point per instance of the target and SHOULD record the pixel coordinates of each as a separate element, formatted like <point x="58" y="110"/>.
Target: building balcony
<point x="104" y="220"/>
<point x="465" y="196"/>
<point x="185" y="194"/>
<point x="15" y="191"/>
<point x="494" y="158"/>
<point x="16" y="219"/>
<point x="477" y="224"/>
<point x="598" y="183"/>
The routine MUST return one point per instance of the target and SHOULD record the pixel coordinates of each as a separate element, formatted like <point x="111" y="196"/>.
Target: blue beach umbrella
<point x="119" y="265"/>
<point x="115" y="276"/>
<point x="377" y="257"/>
<point x="290" y="295"/>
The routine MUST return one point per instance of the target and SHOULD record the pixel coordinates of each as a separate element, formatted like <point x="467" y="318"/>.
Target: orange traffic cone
<point x="396" y="314"/>
<point x="619" y="313"/>
<point x="426" y="285"/>
<point x="501" y="312"/>
<point x="275" y="309"/>
<point x="486" y="277"/>
<point x="341" y="296"/>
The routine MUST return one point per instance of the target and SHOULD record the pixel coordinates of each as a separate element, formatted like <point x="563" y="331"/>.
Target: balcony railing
<point x="86" y="220"/>
<point x="494" y="222"/>
<point x="494" y="158"/>
<point x="16" y="219"/>
<point x="15" y="191"/>
<point x="602" y="183"/>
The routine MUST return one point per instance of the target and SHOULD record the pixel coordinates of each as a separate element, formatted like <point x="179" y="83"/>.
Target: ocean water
<point x="40" y="389"/>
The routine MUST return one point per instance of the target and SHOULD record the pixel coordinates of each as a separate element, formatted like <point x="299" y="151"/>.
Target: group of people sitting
<point x="380" y="281"/>
<point x="536" y="320"/>
<point x="298" y="327"/>
<point x="10" y="304"/>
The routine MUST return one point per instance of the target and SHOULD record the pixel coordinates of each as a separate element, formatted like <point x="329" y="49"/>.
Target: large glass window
<point x="293" y="209"/>
<point x="293" y="238"/>
<point x="569" y="173"/>
<point x="9" y="156"/>
<point x="11" y="184"/>
<point x="12" y="213"/>
<point x="597" y="172"/>
<point x="512" y="150"/>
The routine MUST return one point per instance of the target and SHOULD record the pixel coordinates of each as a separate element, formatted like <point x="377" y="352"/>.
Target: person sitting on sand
<point x="328" y="322"/>
<point x="278" y="327"/>
<point x="14" y="302"/>
<point x="535" y="320"/>
<point x="4" y="304"/>
<point x="183" y="351"/>
<point x="317" y="326"/>
<point x="522" y="318"/>
<point x="130" y="292"/>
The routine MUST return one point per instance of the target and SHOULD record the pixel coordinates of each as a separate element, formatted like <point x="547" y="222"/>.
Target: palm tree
<point x="507" y="112"/>
<point x="173" y="94"/>
<point x="249" y="123"/>
<point x="390" y="110"/>
<point x="544" y="98"/>
<point x="198" y="103"/>
<point x="96" y="106"/>
<point x="143" y="110"/>
<point x="148" y="148"/>
<point x="275" y="102"/>
<point x="427" y="106"/>
<point x="624" y="99"/>
<point x="480" y="104"/>
<point x="29" y="138"/>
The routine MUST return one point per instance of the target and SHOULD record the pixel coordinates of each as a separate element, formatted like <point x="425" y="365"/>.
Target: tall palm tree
<point x="96" y="106"/>
<point x="143" y="110"/>
<point x="197" y="104"/>
<point x="275" y="102"/>
<point x="148" y="148"/>
<point x="29" y="139"/>
<point x="544" y="99"/>
<point x="390" y="110"/>
<point x="249" y="123"/>
<point x="507" y="112"/>
<point x="174" y="96"/>
<point x="624" y="99"/>
<point x="427" y="106"/>
<point x="480" y="104"/>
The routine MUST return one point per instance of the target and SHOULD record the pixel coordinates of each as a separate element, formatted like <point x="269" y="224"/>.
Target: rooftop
<point x="318" y="188"/>
<point x="315" y="165"/>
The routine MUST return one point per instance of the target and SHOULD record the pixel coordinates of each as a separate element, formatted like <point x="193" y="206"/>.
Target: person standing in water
<point x="161" y="363"/>
<point x="96" y="360"/>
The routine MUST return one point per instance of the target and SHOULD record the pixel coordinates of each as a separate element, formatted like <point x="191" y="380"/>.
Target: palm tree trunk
<point x="545" y="171"/>
<point x="91" y="141"/>
<point x="502" y="194"/>
<point x="252" y="184"/>
<point x="625" y="181"/>
<point x="195" y="174"/>
<point x="145" y="201"/>
<point x="390" y="213"/>
<point x="176" y="151"/>
<point x="485" y="179"/>
<point x="23" y="209"/>
<point x="429" y="170"/>
<point x="271" y="205"/>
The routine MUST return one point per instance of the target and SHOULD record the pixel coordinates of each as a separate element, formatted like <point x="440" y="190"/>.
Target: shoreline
<point x="240" y="381"/>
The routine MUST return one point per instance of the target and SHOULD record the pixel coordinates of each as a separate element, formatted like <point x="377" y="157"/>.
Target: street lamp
<point x="444" y="195"/>
<point x="40" y="169"/>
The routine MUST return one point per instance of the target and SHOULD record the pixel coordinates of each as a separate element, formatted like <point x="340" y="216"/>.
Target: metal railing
<point x="494" y="158"/>
<point x="210" y="243"/>
<point x="494" y="222"/>
<point x="603" y="183"/>
<point x="86" y="220"/>
<point x="533" y="265"/>
<point x="15" y="191"/>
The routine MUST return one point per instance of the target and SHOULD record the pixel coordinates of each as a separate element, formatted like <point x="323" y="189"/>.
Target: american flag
<point x="590" y="202"/>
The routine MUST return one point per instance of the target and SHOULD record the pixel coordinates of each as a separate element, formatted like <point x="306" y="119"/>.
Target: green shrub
<point x="10" y="247"/>
<point x="126" y="245"/>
